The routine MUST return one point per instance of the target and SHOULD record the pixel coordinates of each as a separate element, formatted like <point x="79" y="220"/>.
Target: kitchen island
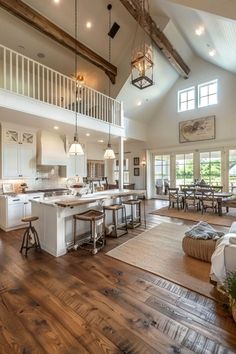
<point x="55" y="224"/>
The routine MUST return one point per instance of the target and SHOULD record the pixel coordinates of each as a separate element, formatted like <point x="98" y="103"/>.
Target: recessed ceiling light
<point x="199" y="31"/>
<point x="212" y="52"/>
<point x="87" y="134"/>
<point x="89" y="24"/>
<point x="41" y="55"/>
<point x="100" y="141"/>
<point x="139" y="103"/>
<point x="56" y="1"/>
<point x="56" y="127"/>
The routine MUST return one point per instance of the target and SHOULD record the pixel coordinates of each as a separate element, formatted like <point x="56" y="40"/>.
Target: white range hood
<point x="51" y="149"/>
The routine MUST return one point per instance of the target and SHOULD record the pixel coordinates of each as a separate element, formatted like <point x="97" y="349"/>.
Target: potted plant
<point x="230" y="286"/>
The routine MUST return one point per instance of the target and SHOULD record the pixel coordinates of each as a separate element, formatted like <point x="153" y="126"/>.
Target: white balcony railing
<point x="27" y="77"/>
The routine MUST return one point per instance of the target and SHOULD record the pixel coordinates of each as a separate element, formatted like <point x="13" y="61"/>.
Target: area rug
<point x="159" y="251"/>
<point x="211" y="218"/>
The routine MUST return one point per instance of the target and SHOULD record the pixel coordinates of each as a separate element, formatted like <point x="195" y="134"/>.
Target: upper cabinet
<point x="76" y="167"/>
<point x="18" y="153"/>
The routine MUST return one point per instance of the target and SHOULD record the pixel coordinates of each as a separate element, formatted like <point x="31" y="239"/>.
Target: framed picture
<point x="136" y="171"/>
<point x="136" y="161"/>
<point x="197" y="129"/>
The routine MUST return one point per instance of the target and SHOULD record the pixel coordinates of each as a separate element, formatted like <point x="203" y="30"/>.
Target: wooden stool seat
<point x="132" y="202"/>
<point x="30" y="219"/>
<point x="90" y="215"/>
<point x="114" y="207"/>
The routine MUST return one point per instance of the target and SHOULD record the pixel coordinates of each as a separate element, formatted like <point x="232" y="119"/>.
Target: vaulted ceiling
<point x="177" y="18"/>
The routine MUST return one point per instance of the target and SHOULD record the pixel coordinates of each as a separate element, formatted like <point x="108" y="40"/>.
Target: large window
<point x="207" y="93"/>
<point x="184" y="169"/>
<point x="186" y="99"/>
<point x="210" y="167"/>
<point x="126" y="170"/>
<point x="161" y="172"/>
<point x="232" y="170"/>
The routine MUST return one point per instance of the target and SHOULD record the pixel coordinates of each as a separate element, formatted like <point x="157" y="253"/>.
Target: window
<point x="210" y="167"/>
<point x="186" y="99"/>
<point x="232" y="169"/>
<point x="126" y="170"/>
<point x="161" y="172"/>
<point x="207" y="93"/>
<point x="184" y="169"/>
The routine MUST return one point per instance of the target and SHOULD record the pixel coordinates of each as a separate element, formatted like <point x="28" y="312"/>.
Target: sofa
<point x="223" y="259"/>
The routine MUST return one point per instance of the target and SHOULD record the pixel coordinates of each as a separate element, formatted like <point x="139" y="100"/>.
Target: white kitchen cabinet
<point x="18" y="153"/>
<point x="13" y="209"/>
<point x="76" y="167"/>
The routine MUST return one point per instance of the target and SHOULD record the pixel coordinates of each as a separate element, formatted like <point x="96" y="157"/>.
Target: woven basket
<point x="197" y="248"/>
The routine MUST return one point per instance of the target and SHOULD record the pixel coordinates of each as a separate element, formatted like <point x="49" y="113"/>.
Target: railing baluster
<point x="47" y="86"/>
<point x="23" y="75"/>
<point x="28" y="77"/>
<point x="64" y="92"/>
<point x="60" y="89"/>
<point x="52" y="86"/>
<point x="11" y="70"/>
<point x="33" y="79"/>
<point x="4" y="68"/>
<point x="17" y="73"/>
<point x="38" y="96"/>
<point x="43" y="74"/>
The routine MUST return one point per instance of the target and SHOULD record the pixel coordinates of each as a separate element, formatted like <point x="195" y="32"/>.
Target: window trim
<point x="194" y="99"/>
<point x="208" y="83"/>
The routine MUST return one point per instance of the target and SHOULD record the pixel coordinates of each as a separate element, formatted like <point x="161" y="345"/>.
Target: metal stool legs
<point x="30" y="235"/>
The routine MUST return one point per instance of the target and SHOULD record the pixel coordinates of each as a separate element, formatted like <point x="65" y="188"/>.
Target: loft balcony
<point x="23" y="76"/>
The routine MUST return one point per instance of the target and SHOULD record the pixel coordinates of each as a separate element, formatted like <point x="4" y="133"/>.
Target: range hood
<point x="51" y="149"/>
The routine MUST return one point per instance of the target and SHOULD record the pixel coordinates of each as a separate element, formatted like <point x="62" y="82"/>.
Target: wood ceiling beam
<point x="158" y="37"/>
<point x="24" y="12"/>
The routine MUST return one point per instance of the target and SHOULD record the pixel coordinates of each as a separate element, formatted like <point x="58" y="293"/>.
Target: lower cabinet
<point x="13" y="209"/>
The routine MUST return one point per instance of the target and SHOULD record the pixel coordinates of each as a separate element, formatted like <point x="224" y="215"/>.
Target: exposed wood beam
<point x="21" y="10"/>
<point x="158" y="37"/>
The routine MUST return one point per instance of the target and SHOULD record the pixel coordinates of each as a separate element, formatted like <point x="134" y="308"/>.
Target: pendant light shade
<point x="76" y="147"/>
<point x="109" y="153"/>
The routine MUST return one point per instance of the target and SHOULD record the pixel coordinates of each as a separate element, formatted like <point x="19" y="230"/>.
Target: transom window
<point x="186" y="99"/>
<point x="210" y="167"/>
<point x="126" y="170"/>
<point x="207" y="93"/>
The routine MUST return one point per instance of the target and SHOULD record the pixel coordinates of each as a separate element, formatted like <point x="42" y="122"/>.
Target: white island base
<point x="55" y="224"/>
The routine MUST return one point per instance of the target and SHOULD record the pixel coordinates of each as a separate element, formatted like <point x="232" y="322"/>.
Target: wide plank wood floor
<point x="95" y="304"/>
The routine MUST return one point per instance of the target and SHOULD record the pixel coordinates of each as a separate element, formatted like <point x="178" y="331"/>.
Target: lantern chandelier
<point x="142" y="53"/>
<point x="76" y="147"/>
<point x="109" y="153"/>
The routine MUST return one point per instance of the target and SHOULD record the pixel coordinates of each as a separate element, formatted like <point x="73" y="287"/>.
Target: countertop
<point x="71" y="201"/>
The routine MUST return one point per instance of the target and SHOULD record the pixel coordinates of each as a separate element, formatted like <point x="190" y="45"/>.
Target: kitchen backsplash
<point x="47" y="177"/>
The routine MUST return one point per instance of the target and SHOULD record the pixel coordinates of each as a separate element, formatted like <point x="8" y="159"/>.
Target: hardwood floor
<point x="95" y="304"/>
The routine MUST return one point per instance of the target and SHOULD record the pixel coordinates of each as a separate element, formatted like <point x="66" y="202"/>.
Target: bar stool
<point x="135" y="206"/>
<point x="97" y="240"/>
<point x="115" y="216"/>
<point x="30" y="236"/>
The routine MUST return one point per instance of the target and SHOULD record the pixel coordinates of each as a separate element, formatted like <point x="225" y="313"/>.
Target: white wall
<point x="163" y="130"/>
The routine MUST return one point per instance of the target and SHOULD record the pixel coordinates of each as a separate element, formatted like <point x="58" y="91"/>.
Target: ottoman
<point x="199" y="248"/>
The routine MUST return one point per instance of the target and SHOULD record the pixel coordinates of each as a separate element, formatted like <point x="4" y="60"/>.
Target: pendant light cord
<point x="76" y="67"/>
<point x="109" y="81"/>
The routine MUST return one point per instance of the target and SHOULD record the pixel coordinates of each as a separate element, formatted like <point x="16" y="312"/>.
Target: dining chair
<point x="174" y="197"/>
<point x="190" y="199"/>
<point x="208" y="200"/>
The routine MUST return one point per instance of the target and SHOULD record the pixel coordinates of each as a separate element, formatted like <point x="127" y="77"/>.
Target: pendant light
<point x="76" y="148"/>
<point x="142" y="53"/>
<point x="109" y="153"/>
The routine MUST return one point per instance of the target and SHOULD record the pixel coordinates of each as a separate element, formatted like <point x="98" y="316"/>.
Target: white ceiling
<point x="220" y="33"/>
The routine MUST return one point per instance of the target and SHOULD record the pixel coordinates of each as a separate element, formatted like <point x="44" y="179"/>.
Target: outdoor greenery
<point x="230" y="284"/>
